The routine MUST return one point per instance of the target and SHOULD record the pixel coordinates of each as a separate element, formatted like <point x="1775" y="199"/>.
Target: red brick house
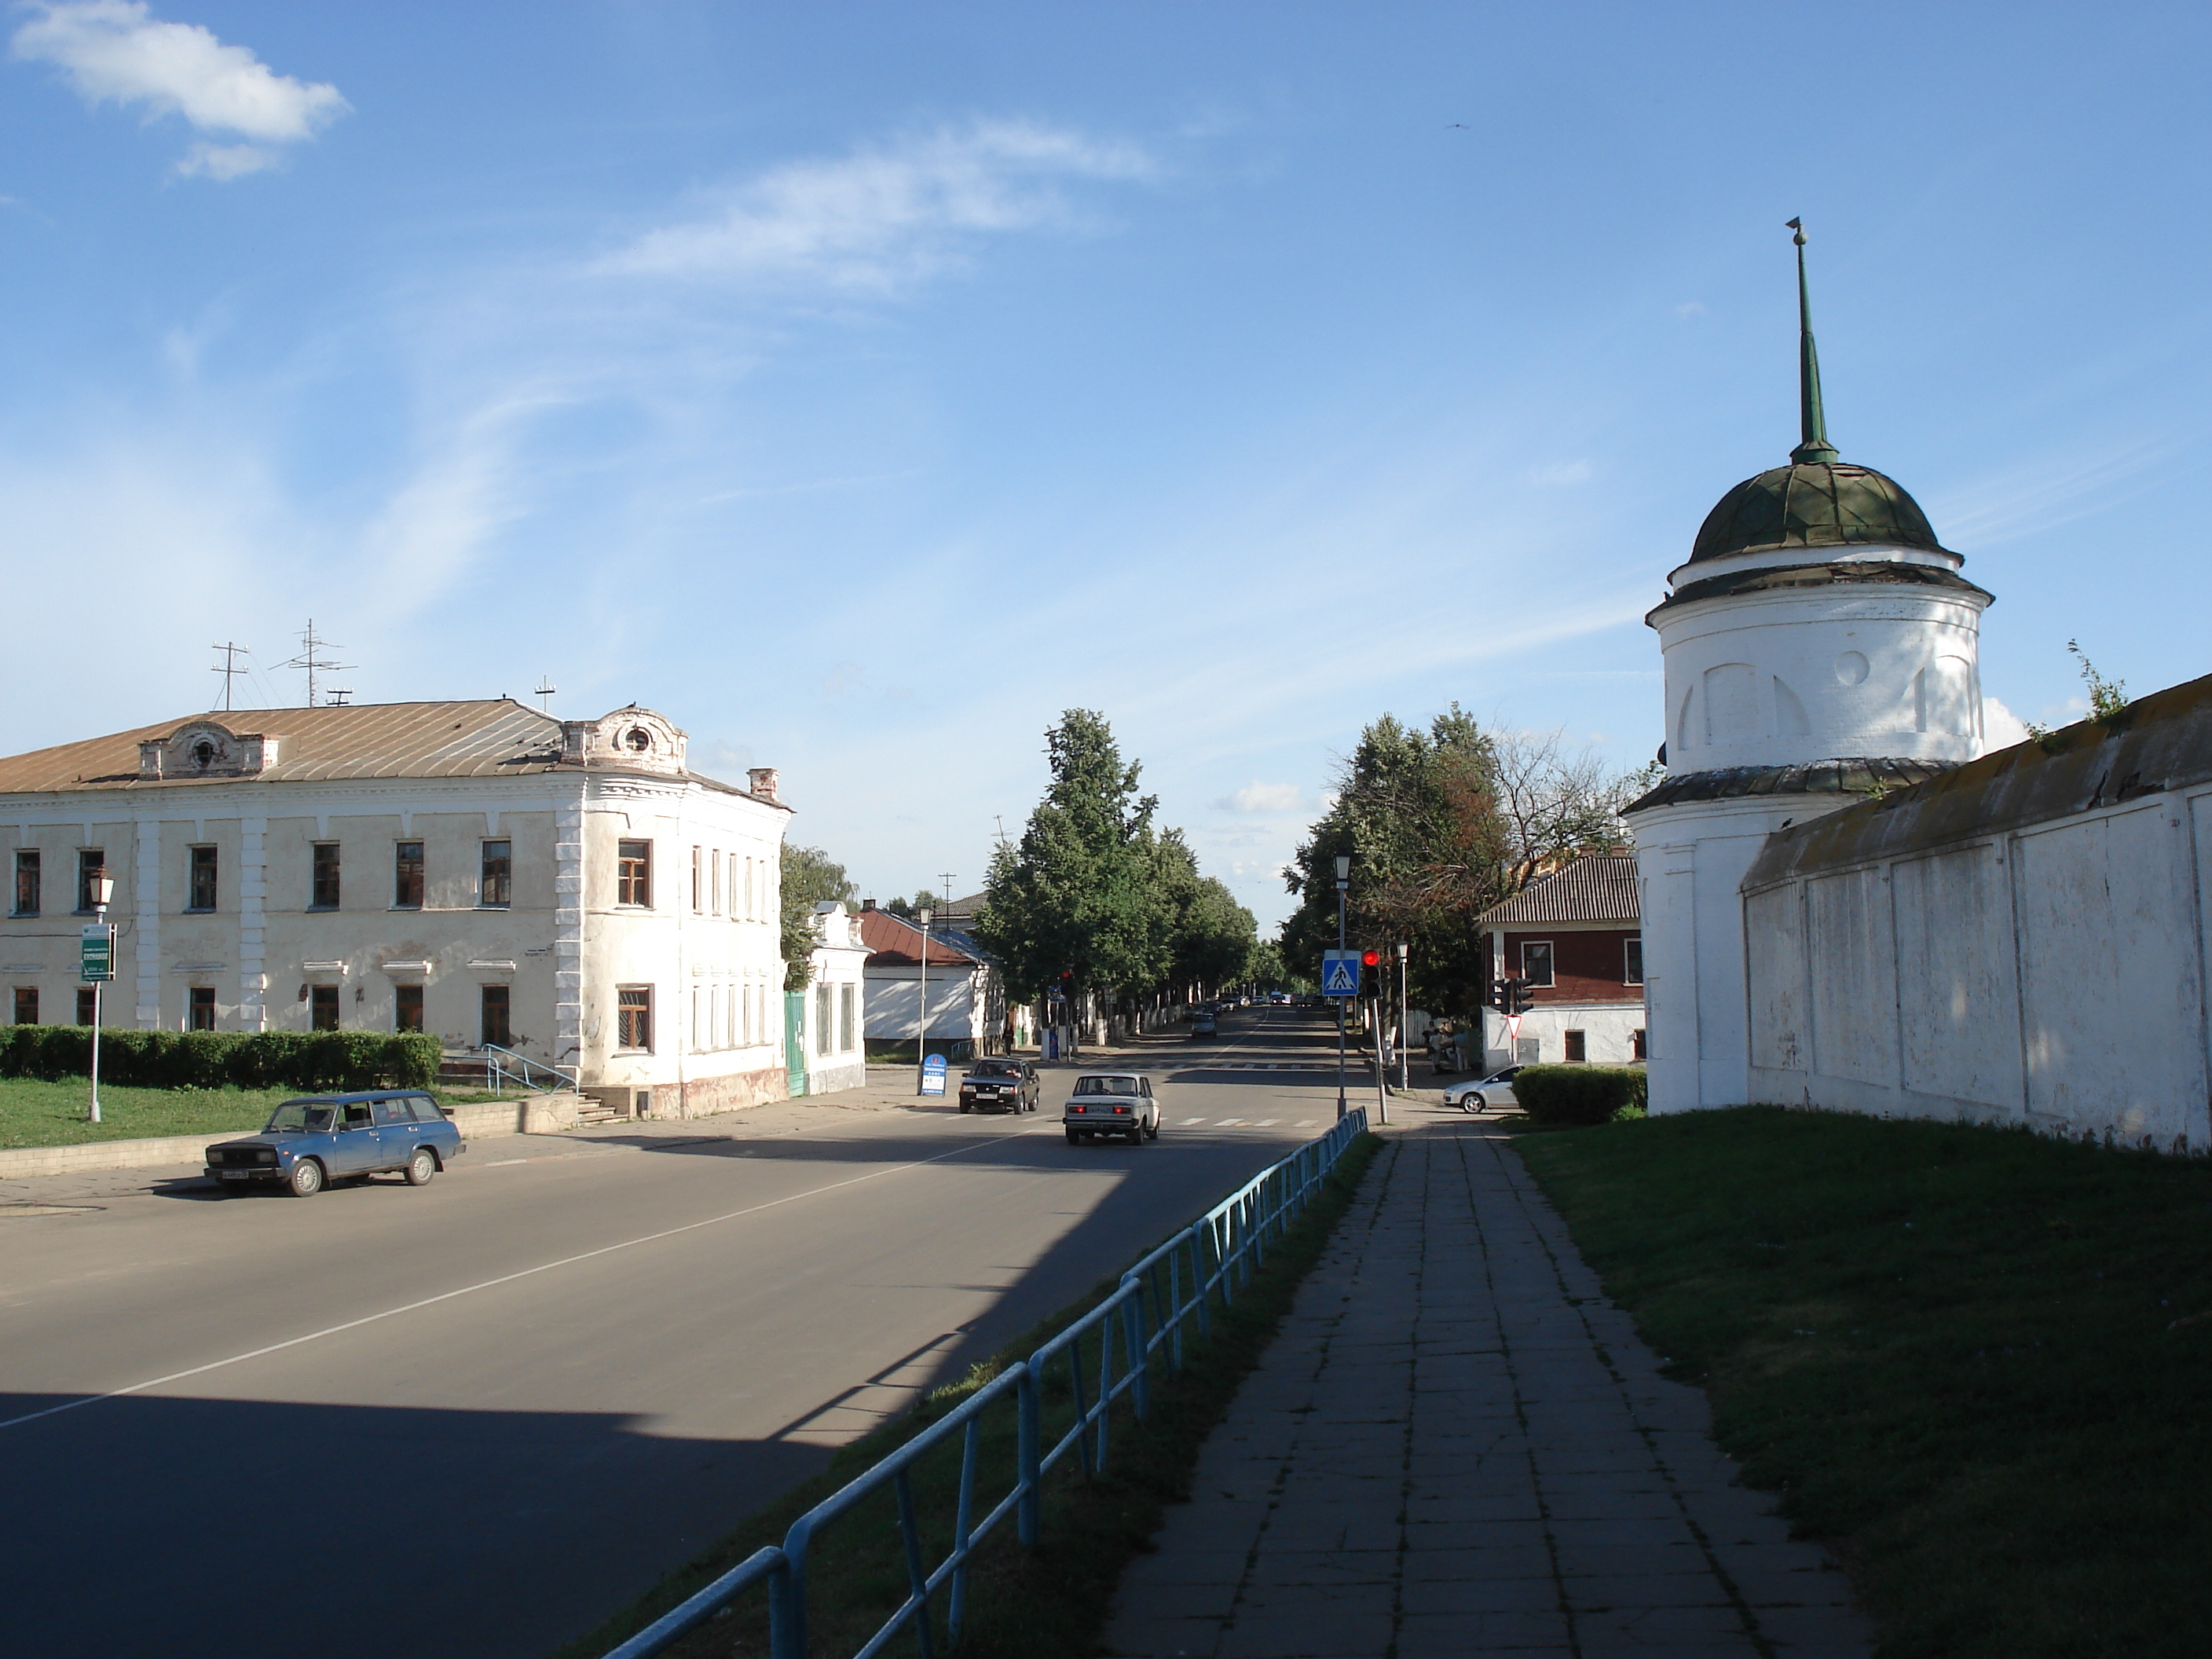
<point x="1576" y="937"/>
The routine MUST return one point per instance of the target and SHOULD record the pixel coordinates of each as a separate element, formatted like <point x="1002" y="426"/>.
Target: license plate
<point x="238" y="1174"/>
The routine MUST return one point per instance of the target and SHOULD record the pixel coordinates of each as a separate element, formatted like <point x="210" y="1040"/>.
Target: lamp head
<point x="924" y="913"/>
<point x="100" y="886"/>
<point x="1343" y="868"/>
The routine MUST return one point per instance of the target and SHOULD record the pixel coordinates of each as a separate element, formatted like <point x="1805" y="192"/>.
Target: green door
<point x="794" y="1040"/>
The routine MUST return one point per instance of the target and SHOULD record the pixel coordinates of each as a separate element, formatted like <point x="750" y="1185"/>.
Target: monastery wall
<point x="2021" y="941"/>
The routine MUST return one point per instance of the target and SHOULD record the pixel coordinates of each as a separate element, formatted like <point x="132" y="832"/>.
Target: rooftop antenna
<point x="1813" y="421"/>
<point x="545" y="693"/>
<point x="313" y="663"/>
<point x="229" y="670"/>
<point x="1000" y="818"/>
<point x="338" y="697"/>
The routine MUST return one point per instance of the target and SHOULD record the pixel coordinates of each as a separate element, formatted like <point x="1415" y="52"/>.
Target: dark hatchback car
<point x="1000" y="1085"/>
<point x="319" y="1139"/>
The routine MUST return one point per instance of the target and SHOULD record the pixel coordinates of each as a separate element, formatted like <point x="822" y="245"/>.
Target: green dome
<point x="1813" y="504"/>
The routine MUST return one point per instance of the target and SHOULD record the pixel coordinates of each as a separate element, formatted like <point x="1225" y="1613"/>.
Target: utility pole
<point x="229" y="670"/>
<point x="1343" y="885"/>
<point x="922" y="1019"/>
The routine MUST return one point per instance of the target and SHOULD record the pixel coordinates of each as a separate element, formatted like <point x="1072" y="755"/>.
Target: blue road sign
<point x="933" y="1075"/>
<point x="1339" y="972"/>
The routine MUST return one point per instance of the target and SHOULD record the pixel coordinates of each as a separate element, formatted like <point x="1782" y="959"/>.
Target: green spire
<point x="1814" y="447"/>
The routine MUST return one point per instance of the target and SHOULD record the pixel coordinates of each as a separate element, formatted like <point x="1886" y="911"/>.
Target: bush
<point x="1575" y="1095"/>
<point x="316" y="1061"/>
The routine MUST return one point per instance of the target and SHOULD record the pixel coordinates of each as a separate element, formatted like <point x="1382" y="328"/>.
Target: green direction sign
<point x="97" y="952"/>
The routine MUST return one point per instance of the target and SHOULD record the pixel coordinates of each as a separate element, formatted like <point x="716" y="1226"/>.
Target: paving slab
<point x="1458" y="1446"/>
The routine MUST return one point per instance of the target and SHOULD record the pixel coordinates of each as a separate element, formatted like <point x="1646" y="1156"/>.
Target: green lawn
<point x="33" y="1114"/>
<point x="1977" y="1362"/>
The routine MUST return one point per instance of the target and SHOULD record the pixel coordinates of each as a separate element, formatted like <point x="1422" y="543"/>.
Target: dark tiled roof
<point x="492" y="738"/>
<point x="1598" y="887"/>
<point x="1813" y="504"/>
<point x="1862" y="775"/>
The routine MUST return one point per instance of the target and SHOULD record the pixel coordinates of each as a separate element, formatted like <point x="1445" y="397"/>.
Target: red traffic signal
<point x="1369" y="958"/>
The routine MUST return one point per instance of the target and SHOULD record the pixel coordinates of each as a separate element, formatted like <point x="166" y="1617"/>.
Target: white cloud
<point x="113" y="51"/>
<point x="1690" y="308"/>
<point x="2001" y="727"/>
<point x="883" y="215"/>
<point x="1562" y="472"/>
<point x="1262" y="797"/>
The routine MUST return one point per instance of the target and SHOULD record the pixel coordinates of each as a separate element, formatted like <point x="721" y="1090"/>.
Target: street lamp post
<point x="100" y="887"/>
<point x="1404" y="1062"/>
<point x="922" y="1018"/>
<point x="1343" y="885"/>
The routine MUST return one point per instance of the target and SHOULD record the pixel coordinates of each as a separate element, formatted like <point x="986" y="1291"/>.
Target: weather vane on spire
<point x="1813" y="447"/>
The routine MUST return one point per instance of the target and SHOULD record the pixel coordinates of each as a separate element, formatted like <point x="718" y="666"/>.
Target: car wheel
<point x="1073" y="1138"/>
<point x="306" y="1179"/>
<point x="963" y="1108"/>
<point x="1153" y="1133"/>
<point x="1470" y="1103"/>
<point x="421" y="1167"/>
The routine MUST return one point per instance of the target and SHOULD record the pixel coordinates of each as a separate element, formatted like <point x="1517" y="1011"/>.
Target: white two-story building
<point x="566" y="890"/>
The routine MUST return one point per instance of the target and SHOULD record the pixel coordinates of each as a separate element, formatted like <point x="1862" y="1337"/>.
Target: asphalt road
<point x="475" y="1418"/>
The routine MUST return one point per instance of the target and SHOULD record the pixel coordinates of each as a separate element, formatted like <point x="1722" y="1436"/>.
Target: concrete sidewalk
<point x="1456" y="1446"/>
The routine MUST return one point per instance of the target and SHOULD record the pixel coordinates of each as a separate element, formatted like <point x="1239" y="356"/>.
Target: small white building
<point x="568" y="891"/>
<point x="834" y="1004"/>
<point x="967" y="1011"/>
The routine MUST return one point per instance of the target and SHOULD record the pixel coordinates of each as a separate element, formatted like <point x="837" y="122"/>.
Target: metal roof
<point x="896" y="943"/>
<point x="1599" y="887"/>
<point x="1867" y="775"/>
<point x="497" y="737"/>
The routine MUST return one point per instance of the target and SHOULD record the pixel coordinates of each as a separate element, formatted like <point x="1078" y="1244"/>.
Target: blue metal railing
<point x="1144" y="1314"/>
<point x="504" y="1066"/>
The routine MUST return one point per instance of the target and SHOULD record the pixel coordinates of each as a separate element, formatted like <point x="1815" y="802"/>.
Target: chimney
<point x="764" y="781"/>
<point x="868" y="904"/>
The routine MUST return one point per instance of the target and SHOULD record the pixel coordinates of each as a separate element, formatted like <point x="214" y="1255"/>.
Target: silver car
<point x="1111" y="1103"/>
<point x="1483" y="1093"/>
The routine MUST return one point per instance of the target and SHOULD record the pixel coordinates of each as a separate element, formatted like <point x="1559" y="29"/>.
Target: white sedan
<point x="1479" y="1094"/>
<point x="1119" y="1104"/>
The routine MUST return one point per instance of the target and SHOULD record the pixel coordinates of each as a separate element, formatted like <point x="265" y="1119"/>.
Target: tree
<point x="1441" y="825"/>
<point x="810" y="876"/>
<point x="1265" y="968"/>
<point x="908" y="909"/>
<point x="1209" y="937"/>
<point x="1077" y="894"/>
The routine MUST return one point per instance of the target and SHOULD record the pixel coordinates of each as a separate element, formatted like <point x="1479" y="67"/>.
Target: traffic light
<point x="1511" y="996"/>
<point x="1370" y="973"/>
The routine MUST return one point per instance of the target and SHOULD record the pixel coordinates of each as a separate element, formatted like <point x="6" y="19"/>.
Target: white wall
<point x="2050" y="974"/>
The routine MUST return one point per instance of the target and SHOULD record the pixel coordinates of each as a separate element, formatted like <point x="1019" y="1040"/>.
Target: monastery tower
<point x="1819" y="645"/>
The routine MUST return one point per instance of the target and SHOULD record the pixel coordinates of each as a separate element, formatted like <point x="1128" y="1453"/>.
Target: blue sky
<point x="863" y="385"/>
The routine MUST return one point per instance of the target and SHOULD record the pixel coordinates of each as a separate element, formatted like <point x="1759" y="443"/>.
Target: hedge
<point x="316" y="1061"/>
<point x="1577" y="1094"/>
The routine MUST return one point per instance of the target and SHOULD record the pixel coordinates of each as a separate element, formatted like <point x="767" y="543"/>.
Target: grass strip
<point x="1021" y="1602"/>
<point x="40" y="1114"/>
<point x="1977" y="1362"/>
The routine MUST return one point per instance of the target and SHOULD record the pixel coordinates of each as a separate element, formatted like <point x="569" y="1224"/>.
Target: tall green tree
<point x="1077" y="894"/>
<point x="1209" y="937"/>
<point x="810" y="876"/>
<point x="1441" y="824"/>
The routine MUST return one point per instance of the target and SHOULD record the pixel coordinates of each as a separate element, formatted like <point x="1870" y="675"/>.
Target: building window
<point x="201" y="895"/>
<point x="1536" y="961"/>
<point x="749" y="890"/>
<point x="1632" y="970"/>
<point x="88" y="1004"/>
<point x="88" y="861"/>
<point x="822" y="1032"/>
<point x="732" y="889"/>
<point x="26" y="1005"/>
<point x="497" y="1028"/>
<point x="634" y="872"/>
<point x="200" y="1016"/>
<point x="698" y="880"/>
<point x="845" y="1019"/>
<point x="407" y="876"/>
<point x="325" y="893"/>
<point x="497" y="888"/>
<point x="323" y="1007"/>
<point x="633" y="1017"/>
<point x="1578" y="1048"/>
<point x="714" y="881"/>
<point x="407" y="1014"/>
<point x="27" y="882"/>
<point x="1636" y="1049"/>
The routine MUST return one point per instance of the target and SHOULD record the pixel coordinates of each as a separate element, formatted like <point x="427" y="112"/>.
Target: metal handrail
<point x="505" y="1063"/>
<point x="1223" y="1248"/>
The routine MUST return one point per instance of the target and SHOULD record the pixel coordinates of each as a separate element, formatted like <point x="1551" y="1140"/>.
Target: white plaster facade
<point x="834" y="1018"/>
<point x="438" y="787"/>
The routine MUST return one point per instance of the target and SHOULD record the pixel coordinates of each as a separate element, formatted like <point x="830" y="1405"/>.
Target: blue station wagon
<point x="310" y="1142"/>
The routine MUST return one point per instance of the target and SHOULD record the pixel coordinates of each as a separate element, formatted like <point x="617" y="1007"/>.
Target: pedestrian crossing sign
<point x="1339" y="972"/>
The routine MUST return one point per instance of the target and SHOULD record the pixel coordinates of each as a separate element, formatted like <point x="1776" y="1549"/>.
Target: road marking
<point x="1228" y="1123"/>
<point x="1191" y="1122"/>
<point x="500" y="1163"/>
<point x="493" y="1283"/>
<point x="1267" y="1123"/>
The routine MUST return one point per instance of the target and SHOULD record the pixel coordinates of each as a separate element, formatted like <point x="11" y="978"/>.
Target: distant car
<point x="1204" y="1025"/>
<point x="1000" y="1085"/>
<point x="1478" y="1094"/>
<point x="1112" y="1104"/>
<point x="310" y="1142"/>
